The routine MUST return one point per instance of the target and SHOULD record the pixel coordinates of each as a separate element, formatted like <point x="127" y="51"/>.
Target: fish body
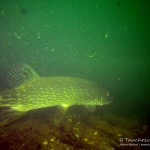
<point x="54" y="91"/>
<point x="38" y="92"/>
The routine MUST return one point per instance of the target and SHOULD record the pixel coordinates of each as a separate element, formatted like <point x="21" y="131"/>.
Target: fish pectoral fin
<point x="90" y="108"/>
<point x="59" y="114"/>
<point x="8" y="115"/>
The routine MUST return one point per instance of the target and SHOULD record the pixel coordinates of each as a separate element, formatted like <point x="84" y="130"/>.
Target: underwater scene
<point x="74" y="75"/>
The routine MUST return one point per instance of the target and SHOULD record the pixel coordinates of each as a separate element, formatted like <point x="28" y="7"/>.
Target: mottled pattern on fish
<point x="53" y="91"/>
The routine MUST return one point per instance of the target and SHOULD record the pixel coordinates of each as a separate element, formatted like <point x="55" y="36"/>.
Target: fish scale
<point x="53" y="91"/>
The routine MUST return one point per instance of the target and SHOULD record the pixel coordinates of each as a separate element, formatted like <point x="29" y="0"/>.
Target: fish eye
<point x="107" y="94"/>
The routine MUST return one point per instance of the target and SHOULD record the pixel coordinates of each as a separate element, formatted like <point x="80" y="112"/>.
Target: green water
<point x="106" y="41"/>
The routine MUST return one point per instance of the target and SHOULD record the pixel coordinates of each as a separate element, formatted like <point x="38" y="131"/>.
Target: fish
<point x="28" y="91"/>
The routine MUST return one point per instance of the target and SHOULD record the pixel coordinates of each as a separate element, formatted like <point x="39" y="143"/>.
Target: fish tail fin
<point x="8" y="115"/>
<point x="19" y="74"/>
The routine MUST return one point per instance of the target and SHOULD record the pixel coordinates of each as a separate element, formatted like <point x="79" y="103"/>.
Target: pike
<point x="29" y="91"/>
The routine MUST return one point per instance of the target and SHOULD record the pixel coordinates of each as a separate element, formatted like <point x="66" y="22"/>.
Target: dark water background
<point x="106" y="41"/>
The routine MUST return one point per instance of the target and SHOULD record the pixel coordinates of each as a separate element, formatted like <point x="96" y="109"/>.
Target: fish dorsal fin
<point x="20" y="74"/>
<point x="90" y="108"/>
